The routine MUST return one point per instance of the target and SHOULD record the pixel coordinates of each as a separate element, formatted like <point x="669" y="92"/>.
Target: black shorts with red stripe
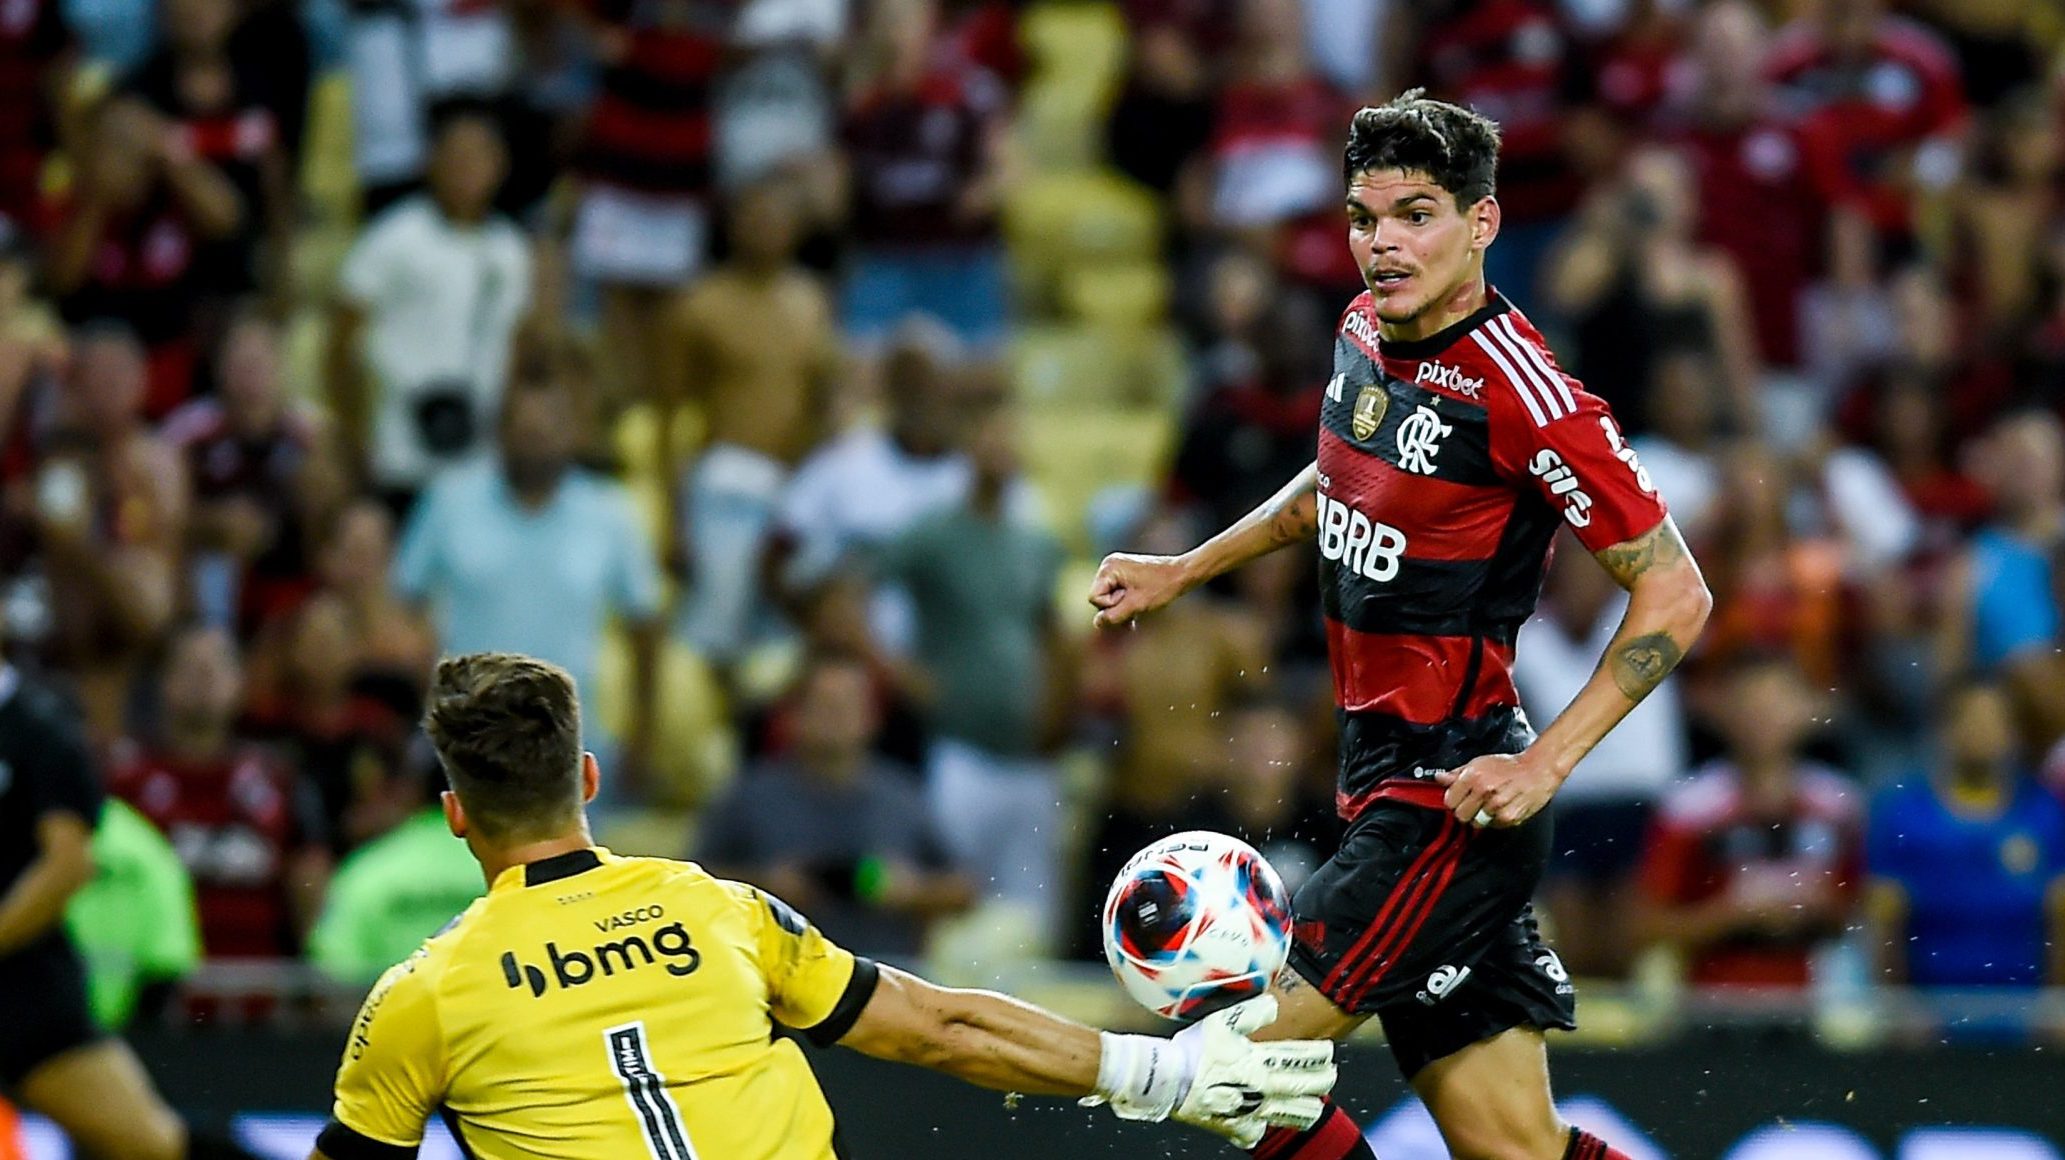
<point x="1426" y="922"/>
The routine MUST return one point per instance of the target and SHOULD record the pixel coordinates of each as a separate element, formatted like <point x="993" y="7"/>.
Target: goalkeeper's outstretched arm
<point x="1209" y="1075"/>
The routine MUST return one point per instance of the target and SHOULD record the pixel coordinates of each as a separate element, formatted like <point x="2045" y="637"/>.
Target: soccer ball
<point x="1196" y="922"/>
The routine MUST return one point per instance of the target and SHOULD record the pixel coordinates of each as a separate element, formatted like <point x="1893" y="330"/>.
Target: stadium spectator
<point x="644" y="165"/>
<point x="343" y="740"/>
<point x="1967" y="861"/>
<point x="1513" y="62"/>
<point x="428" y="301"/>
<point x="924" y="141"/>
<point x="1001" y="674"/>
<point x="2000" y="599"/>
<point x="33" y="349"/>
<point x="832" y="617"/>
<point x="835" y="828"/>
<point x="2004" y="212"/>
<point x="1253" y="429"/>
<point x="1636" y="287"/>
<point x="99" y="515"/>
<point x="128" y="237"/>
<point x="247" y="451"/>
<point x="1277" y="798"/>
<point x="1603" y="812"/>
<point x="1163" y="116"/>
<point x="1682" y="447"/>
<point x="1757" y="860"/>
<point x="394" y="646"/>
<point x="1887" y="91"/>
<point x="394" y="892"/>
<point x="863" y="488"/>
<point x="37" y="58"/>
<point x="248" y="833"/>
<point x="1773" y="590"/>
<point x="135" y="924"/>
<point x="1754" y="171"/>
<point x="1275" y="179"/>
<point x="1164" y="689"/>
<point x="404" y="63"/>
<point x="570" y="534"/>
<point x="217" y="107"/>
<point x="765" y="403"/>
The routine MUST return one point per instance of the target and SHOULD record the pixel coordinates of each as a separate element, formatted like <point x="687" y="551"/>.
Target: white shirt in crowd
<point x="1644" y="753"/>
<point x="441" y="303"/>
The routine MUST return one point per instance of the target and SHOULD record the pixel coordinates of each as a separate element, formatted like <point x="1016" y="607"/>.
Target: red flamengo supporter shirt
<point x="235" y="823"/>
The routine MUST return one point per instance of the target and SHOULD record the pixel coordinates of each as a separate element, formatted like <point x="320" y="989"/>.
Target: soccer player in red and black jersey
<point x="1451" y="449"/>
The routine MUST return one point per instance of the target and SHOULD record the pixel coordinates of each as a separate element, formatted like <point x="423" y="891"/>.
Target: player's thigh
<point x="1491" y="1099"/>
<point x="101" y="1097"/>
<point x="1302" y="1012"/>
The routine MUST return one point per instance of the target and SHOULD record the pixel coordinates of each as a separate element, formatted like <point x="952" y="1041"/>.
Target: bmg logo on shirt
<point x="575" y="968"/>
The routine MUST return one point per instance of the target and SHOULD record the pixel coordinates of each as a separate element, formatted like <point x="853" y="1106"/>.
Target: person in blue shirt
<point x="2004" y="589"/>
<point x="529" y="552"/>
<point x="1967" y="865"/>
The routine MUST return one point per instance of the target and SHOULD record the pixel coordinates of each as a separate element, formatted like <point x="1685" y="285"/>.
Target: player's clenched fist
<point x="1128" y="586"/>
<point x="1212" y="1076"/>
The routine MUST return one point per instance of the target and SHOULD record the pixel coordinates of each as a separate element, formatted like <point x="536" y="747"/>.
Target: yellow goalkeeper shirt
<point x="592" y="1007"/>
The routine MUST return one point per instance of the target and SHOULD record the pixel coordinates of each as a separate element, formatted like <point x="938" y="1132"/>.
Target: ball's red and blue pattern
<point x="1196" y="922"/>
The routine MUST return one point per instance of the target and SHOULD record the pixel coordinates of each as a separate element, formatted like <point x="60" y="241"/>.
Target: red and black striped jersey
<point x="1446" y="465"/>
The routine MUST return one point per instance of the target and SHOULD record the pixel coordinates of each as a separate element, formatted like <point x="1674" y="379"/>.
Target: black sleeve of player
<point x="59" y="774"/>
<point x="859" y="989"/>
<point x="341" y="1143"/>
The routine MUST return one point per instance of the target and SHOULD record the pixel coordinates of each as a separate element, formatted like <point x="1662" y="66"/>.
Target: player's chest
<point x="1383" y="440"/>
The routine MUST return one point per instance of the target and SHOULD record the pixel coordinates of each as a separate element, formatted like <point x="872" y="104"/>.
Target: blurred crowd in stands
<point x="779" y="367"/>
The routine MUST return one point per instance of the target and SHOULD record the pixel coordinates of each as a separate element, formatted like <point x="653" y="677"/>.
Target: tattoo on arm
<point x="1660" y="546"/>
<point x="1294" y="520"/>
<point x="1641" y="664"/>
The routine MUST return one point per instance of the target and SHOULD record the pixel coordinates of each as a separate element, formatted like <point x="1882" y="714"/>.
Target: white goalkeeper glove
<point x="1212" y="1076"/>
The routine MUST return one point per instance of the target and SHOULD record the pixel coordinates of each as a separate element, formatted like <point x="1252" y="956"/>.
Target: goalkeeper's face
<point x="1415" y="246"/>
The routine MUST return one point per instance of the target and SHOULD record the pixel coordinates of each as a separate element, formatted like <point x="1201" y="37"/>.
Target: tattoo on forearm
<point x="1288" y="979"/>
<point x="1641" y="664"/>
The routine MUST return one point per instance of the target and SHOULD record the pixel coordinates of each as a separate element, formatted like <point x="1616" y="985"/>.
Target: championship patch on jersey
<point x="1369" y="411"/>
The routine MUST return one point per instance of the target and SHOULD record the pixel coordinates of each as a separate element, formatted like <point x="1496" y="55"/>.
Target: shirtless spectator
<point x="764" y="399"/>
<point x="101" y="513"/>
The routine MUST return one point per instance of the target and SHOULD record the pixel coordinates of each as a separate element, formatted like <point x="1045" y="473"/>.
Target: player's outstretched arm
<point x="1209" y="1075"/>
<point x="1668" y="604"/>
<point x="1128" y="586"/>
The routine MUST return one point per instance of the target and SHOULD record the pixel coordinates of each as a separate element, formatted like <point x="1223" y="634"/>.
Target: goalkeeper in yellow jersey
<point x="593" y="1007"/>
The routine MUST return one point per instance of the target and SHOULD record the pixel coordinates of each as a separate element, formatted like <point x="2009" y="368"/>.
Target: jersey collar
<point x="551" y="869"/>
<point x="1425" y="348"/>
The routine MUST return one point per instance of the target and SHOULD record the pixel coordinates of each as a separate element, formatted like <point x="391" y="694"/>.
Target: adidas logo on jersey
<point x="1441" y="982"/>
<point x="1448" y="378"/>
<point x="576" y="968"/>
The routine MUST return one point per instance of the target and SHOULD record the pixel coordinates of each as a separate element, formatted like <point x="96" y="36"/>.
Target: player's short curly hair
<point x="1413" y="132"/>
<point x="507" y="729"/>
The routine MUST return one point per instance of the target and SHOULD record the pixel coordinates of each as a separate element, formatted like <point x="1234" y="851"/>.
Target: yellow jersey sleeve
<point x="393" y="1075"/>
<point x="815" y="986"/>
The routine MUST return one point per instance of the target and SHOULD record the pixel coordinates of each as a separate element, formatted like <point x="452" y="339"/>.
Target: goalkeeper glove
<point x="1210" y="1075"/>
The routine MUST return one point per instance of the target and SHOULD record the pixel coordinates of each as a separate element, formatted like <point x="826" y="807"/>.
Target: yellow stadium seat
<point x="1129" y="296"/>
<point x="693" y="753"/>
<point x="1078" y="366"/>
<point x="1064" y="221"/>
<point x="1071" y="455"/>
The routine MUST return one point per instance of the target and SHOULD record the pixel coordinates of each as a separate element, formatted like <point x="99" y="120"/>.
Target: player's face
<point x="1416" y="248"/>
